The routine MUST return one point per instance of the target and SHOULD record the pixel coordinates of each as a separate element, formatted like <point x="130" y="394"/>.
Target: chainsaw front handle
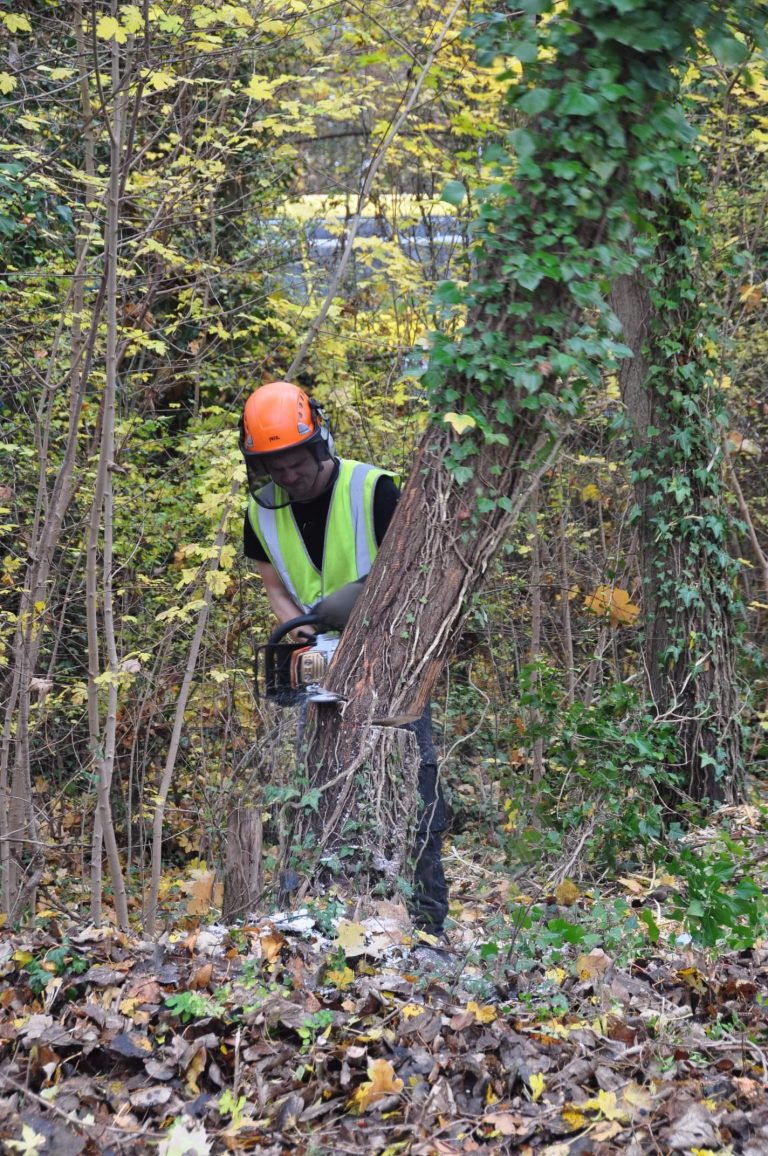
<point x="310" y="619"/>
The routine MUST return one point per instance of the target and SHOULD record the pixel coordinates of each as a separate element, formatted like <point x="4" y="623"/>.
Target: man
<point x="313" y="526"/>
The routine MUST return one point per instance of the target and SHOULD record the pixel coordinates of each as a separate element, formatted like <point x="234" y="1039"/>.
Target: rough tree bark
<point x="694" y="683"/>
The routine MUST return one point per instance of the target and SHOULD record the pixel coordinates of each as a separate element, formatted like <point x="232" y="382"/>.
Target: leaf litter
<point x="306" y="1033"/>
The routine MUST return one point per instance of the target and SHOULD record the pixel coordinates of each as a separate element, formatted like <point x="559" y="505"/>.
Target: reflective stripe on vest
<point x="350" y="542"/>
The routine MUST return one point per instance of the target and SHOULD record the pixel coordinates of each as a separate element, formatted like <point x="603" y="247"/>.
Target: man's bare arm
<point x="283" y="606"/>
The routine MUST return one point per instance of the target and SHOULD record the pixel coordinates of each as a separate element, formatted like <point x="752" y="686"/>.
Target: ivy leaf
<point x="524" y="143"/>
<point x="449" y="293"/>
<point x="534" y="101"/>
<point x="453" y="193"/>
<point x="578" y="104"/>
<point x="727" y="50"/>
<point x="460" y="422"/>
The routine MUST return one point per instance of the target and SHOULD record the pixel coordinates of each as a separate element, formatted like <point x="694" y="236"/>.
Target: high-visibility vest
<point x="350" y="542"/>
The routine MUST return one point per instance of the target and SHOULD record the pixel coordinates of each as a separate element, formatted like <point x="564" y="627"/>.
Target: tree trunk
<point x="687" y="601"/>
<point x="243" y="868"/>
<point x="434" y="557"/>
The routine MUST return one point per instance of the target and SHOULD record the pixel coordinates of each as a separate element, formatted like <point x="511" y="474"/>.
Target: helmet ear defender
<point x="322" y="423"/>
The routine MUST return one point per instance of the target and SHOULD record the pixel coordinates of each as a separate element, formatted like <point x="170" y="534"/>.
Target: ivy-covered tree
<point x="595" y="143"/>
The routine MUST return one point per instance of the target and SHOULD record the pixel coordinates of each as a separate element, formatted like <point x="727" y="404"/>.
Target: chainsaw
<point x="291" y="672"/>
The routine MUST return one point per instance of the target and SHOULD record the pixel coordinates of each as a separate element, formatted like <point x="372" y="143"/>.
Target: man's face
<point x="297" y="472"/>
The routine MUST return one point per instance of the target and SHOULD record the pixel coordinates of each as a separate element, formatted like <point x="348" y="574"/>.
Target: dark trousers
<point x="429" y="902"/>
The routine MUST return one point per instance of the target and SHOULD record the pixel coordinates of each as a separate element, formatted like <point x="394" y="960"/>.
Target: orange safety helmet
<point x="281" y="416"/>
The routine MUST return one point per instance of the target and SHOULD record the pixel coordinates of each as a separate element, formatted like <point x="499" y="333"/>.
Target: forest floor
<point x="555" y="1026"/>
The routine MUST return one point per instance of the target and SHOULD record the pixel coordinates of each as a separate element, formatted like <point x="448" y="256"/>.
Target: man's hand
<point x="334" y="611"/>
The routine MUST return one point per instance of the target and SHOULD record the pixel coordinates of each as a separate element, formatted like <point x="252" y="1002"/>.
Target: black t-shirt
<point x="311" y="518"/>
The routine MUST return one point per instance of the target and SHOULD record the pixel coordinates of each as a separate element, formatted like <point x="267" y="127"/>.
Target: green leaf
<point x="523" y="142"/>
<point x="526" y="51"/>
<point x="578" y="104"/>
<point x="727" y="50"/>
<point x="534" y="101"/>
<point x="311" y="799"/>
<point x="449" y="293"/>
<point x="653" y="928"/>
<point x="454" y="193"/>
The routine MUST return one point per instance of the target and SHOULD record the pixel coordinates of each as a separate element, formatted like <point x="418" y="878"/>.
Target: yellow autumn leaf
<point x="607" y="1105"/>
<point x="623" y="612"/>
<point x="614" y="602"/>
<point x="217" y="581"/>
<point x="590" y="493"/>
<point x="637" y="1099"/>
<point x="381" y="1082"/>
<point x="484" y="1014"/>
<point x="350" y="936"/>
<point x="560" y="1030"/>
<point x="195" y="1070"/>
<point x="460" y="422"/>
<point x="132" y="17"/>
<point x="573" y="1118"/>
<point x="271" y="943"/>
<point x="633" y="884"/>
<point x="260" y="87"/>
<point x="556" y="975"/>
<point x="607" y="1129"/>
<point x="108" y="28"/>
<point x="410" y="1010"/>
<point x="7" y="83"/>
<point x="751" y="295"/>
<point x="160" y="82"/>
<point x="16" y="22"/>
<point x="31" y="1142"/>
<point x="340" y="977"/>
<point x="538" y="1084"/>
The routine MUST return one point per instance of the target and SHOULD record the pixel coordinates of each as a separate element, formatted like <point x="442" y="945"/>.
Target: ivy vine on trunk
<point x="595" y="143"/>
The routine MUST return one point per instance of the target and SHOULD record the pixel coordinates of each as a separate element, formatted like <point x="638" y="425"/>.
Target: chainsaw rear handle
<point x="310" y="619"/>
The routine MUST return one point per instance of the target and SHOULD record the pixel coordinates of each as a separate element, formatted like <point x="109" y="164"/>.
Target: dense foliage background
<point x="185" y="189"/>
